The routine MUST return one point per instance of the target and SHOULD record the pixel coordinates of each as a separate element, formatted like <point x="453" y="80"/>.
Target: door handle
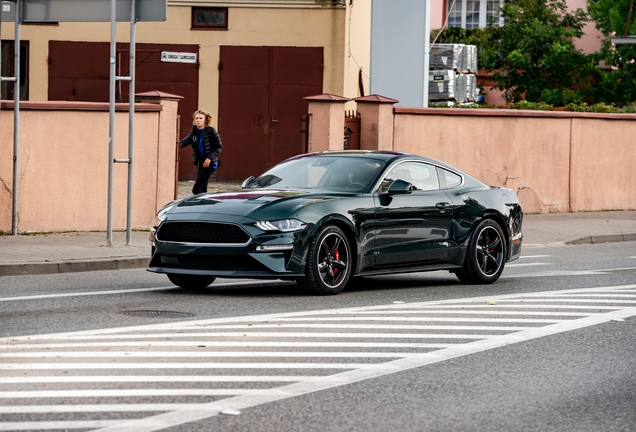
<point x="274" y="122"/>
<point x="442" y="205"/>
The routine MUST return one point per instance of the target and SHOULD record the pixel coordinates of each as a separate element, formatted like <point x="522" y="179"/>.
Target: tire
<point x="462" y="277"/>
<point x="190" y="281"/>
<point x="328" y="262"/>
<point x="486" y="255"/>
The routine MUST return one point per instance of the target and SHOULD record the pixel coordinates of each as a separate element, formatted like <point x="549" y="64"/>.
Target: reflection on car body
<point x="323" y="218"/>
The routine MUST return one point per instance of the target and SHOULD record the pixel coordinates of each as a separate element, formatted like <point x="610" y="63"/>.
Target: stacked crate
<point x="452" y="73"/>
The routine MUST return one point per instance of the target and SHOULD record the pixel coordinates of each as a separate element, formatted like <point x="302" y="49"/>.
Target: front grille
<point x="202" y="232"/>
<point x="204" y="262"/>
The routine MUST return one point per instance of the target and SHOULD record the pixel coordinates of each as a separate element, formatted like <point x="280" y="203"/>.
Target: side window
<point x="422" y="176"/>
<point x="449" y="179"/>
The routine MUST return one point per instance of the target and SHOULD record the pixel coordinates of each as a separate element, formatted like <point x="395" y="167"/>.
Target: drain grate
<point x="157" y="314"/>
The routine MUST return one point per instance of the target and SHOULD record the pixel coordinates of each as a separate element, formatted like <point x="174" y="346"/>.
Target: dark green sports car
<point x="322" y="219"/>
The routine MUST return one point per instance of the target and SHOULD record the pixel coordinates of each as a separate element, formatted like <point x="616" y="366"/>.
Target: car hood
<point x="255" y="204"/>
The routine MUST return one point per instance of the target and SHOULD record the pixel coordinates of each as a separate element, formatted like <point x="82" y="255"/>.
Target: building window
<point x="8" y="49"/>
<point x="471" y="14"/>
<point x="209" y="18"/>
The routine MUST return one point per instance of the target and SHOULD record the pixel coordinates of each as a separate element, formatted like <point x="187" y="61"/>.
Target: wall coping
<point x="326" y="97"/>
<point x="482" y="112"/>
<point x="376" y="98"/>
<point x="79" y="106"/>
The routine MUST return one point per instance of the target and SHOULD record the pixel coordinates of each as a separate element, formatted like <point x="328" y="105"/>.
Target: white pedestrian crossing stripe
<point x="239" y="362"/>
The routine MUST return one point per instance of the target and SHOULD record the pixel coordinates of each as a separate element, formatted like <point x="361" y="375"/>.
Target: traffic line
<point x="218" y="344"/>
<point x="193" y="365"/>
<point x="129" y="291"/>
<point x="53" y="425"/>
<point x="303" y="326"/>
<point x="186" y="415"/>
<point x="204" y="354"/>
<point x="527" y="264"/>
<point x="133" y="393"/>
<point x="151" y="379"/>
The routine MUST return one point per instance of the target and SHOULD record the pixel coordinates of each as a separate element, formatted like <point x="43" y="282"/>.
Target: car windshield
<point x="335" y="173"/>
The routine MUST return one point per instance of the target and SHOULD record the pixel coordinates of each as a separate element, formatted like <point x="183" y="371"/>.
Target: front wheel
<point x="328" y="262"/>
<point x="486" y="255"/>
<point x="190" y="281"/>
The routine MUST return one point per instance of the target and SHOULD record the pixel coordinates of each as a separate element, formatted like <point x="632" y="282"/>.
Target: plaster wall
<point x="528" y="155"/>
<point x="603" y="160"/>
<point x="63" y="168"/>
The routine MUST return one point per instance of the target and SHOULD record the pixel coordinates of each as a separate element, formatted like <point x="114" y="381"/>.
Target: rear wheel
<point x="328" y="262"/>
<point x="190" y="281"/>
<point x="486" y="255"/>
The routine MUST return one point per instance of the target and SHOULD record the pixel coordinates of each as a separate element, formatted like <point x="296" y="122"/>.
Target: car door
<point x="412" y="227"/>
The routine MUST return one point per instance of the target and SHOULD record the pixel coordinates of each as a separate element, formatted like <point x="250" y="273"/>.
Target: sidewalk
<point x="87" y="251"/>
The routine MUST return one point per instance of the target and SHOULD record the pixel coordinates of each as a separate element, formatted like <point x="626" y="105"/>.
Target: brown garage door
<point x="261" y="91"/>
<point x="79" y="71"/>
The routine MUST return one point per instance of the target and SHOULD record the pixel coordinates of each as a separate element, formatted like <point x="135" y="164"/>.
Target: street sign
<point x="8" y="11"/>
<point x="44" y="11"/>
<point x="178" y="57"/>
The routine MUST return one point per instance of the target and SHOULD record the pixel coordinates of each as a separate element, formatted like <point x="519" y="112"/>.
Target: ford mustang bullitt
<point x="323" y="219"/>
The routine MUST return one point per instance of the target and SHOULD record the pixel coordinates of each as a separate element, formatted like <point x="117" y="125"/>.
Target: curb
<point x="42" y="268"/>
<point x="607" y="238"/>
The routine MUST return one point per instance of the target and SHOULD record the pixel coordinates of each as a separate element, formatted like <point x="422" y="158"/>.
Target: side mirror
<point x="247" y="182"/>
<point x="399" y="187"/>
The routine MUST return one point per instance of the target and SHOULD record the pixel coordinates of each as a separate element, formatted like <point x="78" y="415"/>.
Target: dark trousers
<point x="203" y="176"/>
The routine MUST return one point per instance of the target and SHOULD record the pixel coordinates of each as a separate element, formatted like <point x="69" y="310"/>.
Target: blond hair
<point x="207" y="115"/>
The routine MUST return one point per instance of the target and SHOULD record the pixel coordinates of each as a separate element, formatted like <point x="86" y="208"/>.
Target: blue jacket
<point x="211" y="143"/>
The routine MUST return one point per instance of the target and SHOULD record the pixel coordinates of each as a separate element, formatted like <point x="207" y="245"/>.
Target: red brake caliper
<point x="337" y="256"/>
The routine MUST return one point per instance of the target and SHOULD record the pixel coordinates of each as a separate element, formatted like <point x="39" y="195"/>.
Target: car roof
<point x="385" y="155"/>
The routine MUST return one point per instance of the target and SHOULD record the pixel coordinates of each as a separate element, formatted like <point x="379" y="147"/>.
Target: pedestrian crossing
<point x="152" y="377"/>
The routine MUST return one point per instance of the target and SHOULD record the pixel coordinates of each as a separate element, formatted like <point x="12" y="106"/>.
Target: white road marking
<point x="129" y="291"/>
<point x="512" y="309"/>
<point x="179" y="417"/>
<point x="527" y="264"/>
<point x="133" y="393"/>
<point x="534" y="256"/>
<point x="554" y="273"/>
<point x="231" y="344"/>
<point x="193" y="365"/>
<point x="199" y="354"/>
<point x="151" y="379"/>
<point x="34" y="409"/>
<point x="82" y="424"/>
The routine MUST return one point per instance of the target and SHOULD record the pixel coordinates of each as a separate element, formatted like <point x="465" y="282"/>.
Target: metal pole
<point x="427" y="49"/>
<point x="111" y="126"/>
<point x="131" y="121"/>
<point x="16" y="116"/>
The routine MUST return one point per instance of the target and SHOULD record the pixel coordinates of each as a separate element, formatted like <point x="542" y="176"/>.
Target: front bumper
<point x="271" y="255"/>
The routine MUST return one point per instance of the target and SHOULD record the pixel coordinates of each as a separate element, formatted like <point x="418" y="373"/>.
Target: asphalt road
<point x="410" y="352"/>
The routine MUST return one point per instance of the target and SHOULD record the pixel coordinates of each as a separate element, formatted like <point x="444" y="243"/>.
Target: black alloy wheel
<point x="328" y="262"/>
<point x="486" y="255"/>
<point x="190" y="281"/>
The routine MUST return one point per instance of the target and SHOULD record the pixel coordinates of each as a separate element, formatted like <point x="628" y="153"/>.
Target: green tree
<point x="617" y="85"/>
<point x="533" y="56"/>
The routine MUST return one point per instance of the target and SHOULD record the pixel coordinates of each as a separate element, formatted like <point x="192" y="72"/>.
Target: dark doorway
<point x="79" y="71"/>
<point x="8" y="69"/>
<point x="261" y="91"/>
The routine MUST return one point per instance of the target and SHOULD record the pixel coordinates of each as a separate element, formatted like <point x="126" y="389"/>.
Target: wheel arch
<point x="348" y="229"/>
<point x="498" y="218"/>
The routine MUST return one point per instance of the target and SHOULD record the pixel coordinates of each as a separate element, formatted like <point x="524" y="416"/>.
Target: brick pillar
<point x="167" y="146"/>
<point x="376" y="122"/>
<point x="326" y="124"/>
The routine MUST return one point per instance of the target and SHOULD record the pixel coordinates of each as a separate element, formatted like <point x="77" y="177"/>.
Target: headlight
<point x="164" y="211"/>
<point x="284" y="225"/>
